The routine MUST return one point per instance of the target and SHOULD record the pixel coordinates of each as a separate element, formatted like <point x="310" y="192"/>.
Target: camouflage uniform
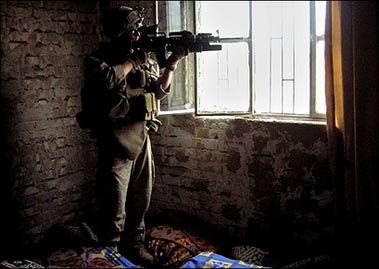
<point x="120" y="110"/>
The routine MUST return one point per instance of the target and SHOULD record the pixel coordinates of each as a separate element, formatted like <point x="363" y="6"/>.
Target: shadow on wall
<point x="9" y="237"/>
<point x="46" y="161"/>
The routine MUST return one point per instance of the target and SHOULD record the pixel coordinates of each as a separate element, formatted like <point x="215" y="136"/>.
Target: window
<point x="271" y="62"/>
<point x="179" y="16"/>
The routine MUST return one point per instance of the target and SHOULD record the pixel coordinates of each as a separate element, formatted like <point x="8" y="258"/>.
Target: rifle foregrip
<point x="212" y="47"/>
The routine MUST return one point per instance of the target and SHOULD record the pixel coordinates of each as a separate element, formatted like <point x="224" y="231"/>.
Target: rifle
<point x="153" y="41"/>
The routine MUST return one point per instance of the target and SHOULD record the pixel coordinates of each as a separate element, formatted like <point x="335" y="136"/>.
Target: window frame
<point x="161" y="8"/>
<point x="312" y="116"/>
<point x="227" y="40"/>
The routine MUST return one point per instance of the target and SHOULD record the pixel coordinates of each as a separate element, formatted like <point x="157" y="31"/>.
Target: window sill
<point x="287" y="119"/>
<point x="177" y="112"/>
<point x="257" y="118"/>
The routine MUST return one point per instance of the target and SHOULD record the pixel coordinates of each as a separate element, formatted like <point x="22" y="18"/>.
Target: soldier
<point x="119" y="102"/>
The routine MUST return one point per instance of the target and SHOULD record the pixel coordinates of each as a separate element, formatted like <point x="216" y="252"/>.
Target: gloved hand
<point x="138" y="58"/>
<point x="176" y="56"/>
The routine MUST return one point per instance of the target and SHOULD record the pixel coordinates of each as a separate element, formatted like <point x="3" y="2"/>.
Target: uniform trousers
<point x="124" y="190"/>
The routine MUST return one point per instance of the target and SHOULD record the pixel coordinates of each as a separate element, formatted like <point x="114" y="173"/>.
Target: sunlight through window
<point x="271" y="62"/>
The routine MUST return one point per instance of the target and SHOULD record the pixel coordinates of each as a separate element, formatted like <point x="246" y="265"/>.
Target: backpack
<point x="94" y="97"/>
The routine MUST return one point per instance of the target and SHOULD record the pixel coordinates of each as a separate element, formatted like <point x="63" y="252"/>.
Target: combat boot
<point x="135" y="249"/>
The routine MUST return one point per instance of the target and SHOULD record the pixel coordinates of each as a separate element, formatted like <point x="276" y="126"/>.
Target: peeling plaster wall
<point x="266" y="183"/>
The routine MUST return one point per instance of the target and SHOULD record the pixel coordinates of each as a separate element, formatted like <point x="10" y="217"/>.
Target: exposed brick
<point x="242" y="171"/>
<point x="203" y="133"/>
<point x="235" y="174"/>
<point x="41" y="77"/>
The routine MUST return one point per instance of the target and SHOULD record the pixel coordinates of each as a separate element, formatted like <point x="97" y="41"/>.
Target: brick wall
<point x="256" y="181"/>
<point x="47" y="161"/>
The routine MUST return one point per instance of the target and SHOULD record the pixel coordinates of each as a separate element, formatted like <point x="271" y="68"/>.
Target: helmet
<point x="122" y="20"/>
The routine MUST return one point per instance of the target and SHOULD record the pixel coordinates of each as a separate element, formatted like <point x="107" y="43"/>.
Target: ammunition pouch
<point x="151" y="106"/>
<point x="143" y="107"/>
<point x="137" y="79"/>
